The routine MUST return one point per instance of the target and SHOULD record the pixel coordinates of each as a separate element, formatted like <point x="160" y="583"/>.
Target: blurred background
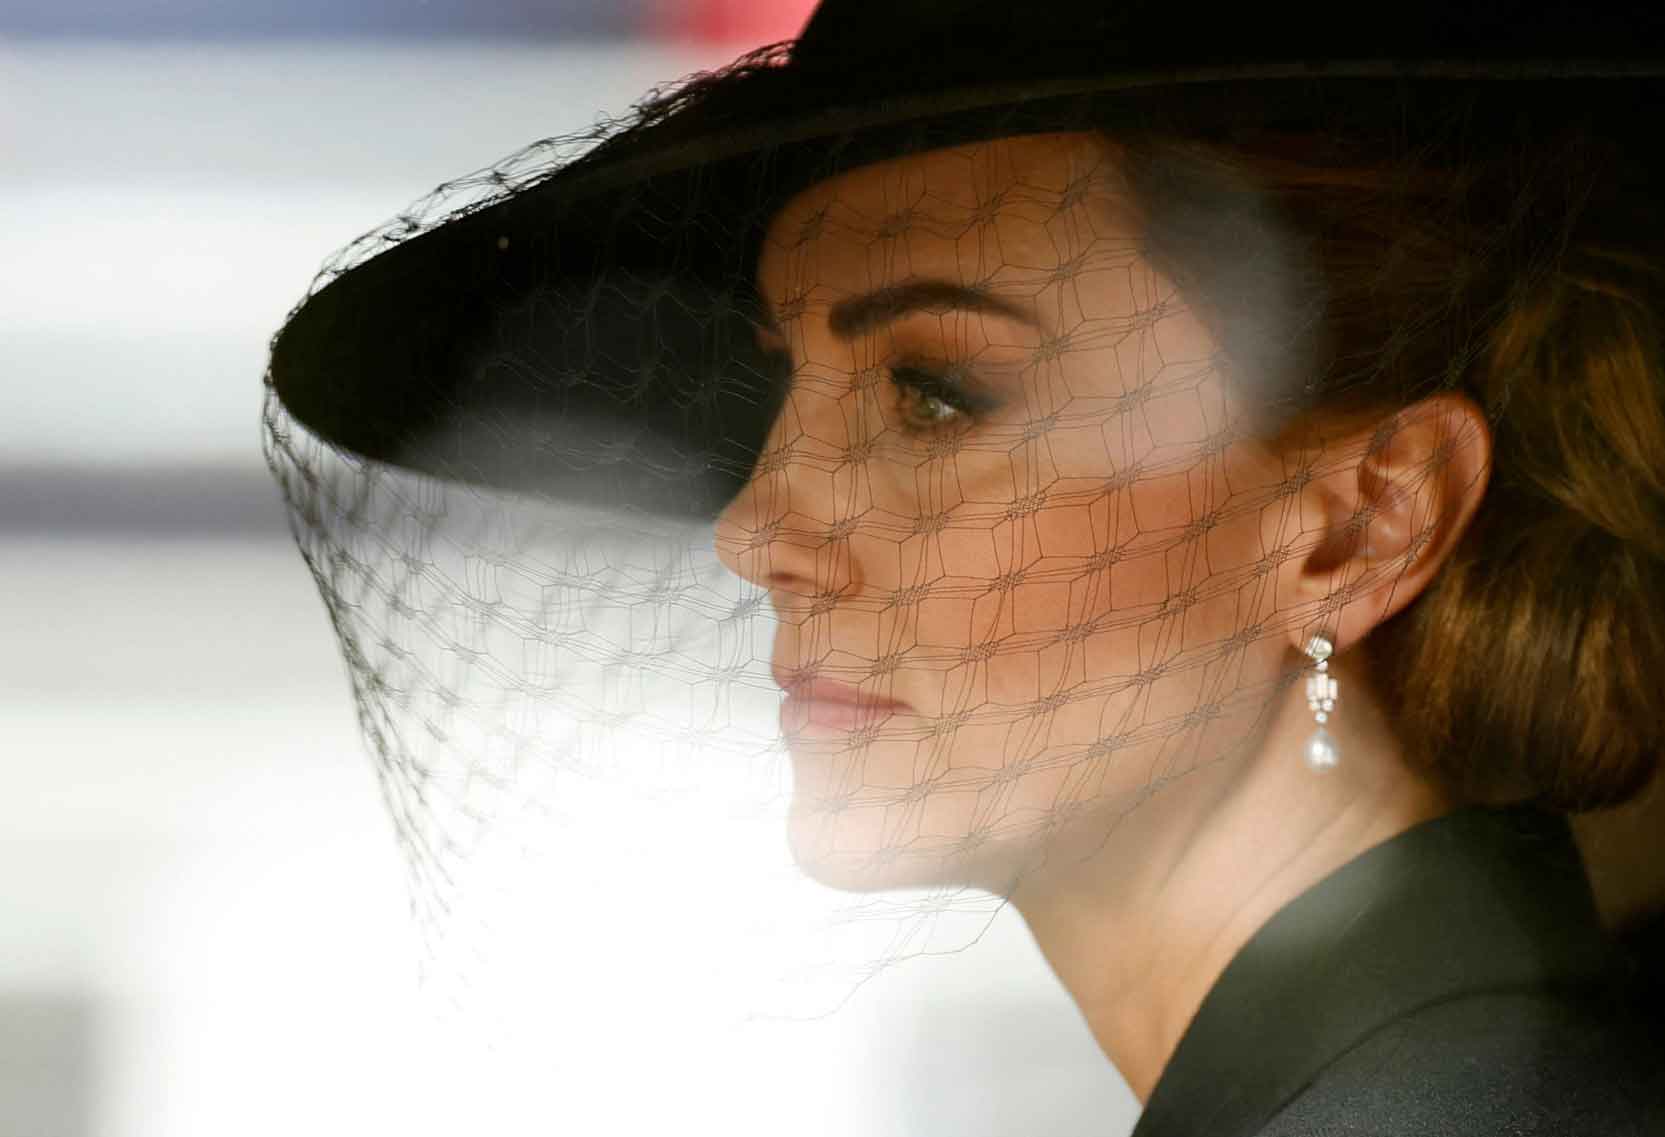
<point x="203" y="917"/>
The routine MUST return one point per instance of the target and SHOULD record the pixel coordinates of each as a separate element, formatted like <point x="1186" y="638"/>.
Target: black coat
<point x="1453" y="980"/>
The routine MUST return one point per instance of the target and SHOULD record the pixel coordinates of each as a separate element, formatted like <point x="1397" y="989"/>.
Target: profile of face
<point x="1016" y="550"/>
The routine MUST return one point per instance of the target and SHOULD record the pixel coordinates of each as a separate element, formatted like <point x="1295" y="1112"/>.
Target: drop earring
<point x="1322" y="753"/>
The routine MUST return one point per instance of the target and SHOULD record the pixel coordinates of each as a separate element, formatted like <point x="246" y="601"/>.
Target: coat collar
<point x="1483" y="897"/>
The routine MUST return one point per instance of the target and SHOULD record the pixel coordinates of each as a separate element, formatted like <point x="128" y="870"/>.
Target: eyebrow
<point x="852" y="316"/>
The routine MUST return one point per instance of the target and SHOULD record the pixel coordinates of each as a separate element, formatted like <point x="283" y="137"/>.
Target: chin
<point x="843" y="852"/>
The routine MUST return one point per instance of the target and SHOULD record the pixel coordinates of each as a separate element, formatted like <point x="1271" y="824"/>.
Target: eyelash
<point x="934" y="385"/>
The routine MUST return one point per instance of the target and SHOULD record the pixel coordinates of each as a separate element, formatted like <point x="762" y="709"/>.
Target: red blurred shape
<point x="740" y="24"/>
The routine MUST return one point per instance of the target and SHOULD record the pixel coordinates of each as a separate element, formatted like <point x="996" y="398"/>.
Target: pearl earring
<point x="1322" y="753"/>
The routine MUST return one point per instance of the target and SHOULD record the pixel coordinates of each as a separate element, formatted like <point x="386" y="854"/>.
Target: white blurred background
<point x="203" y="921"/>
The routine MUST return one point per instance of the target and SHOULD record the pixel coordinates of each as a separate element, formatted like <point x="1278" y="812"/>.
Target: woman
<point x="1189" y="839"/>
<point x="1073" y="395"/>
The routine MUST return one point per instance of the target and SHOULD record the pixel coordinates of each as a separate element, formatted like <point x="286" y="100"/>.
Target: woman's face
<point x="1000" y="509"/>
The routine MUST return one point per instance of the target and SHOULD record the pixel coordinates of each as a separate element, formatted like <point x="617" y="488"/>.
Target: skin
<point x="1040" y="754"/>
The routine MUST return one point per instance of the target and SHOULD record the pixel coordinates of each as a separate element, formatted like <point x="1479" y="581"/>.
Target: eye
<point x="933" y="397"/>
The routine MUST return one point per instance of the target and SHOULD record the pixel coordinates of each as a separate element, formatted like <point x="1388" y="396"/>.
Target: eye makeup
<point x="938" y="394"/>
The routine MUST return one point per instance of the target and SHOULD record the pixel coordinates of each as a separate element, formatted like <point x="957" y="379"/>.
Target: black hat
<point x="1067" y="599"/>
<point x="582" y="326"/>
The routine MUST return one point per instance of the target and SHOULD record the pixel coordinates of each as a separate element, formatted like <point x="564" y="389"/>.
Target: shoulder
<point x="1518" y="1063"/>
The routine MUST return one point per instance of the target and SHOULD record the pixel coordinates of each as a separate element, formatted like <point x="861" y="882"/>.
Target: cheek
<point x="1014" y="678"/>
<point x="1162" y="502"/>
<point x="1071" y="531"/>
<point x="855" y="635"/>
<point x="1042" y="610"/>
<point x="1138" y="584"/>
<point x="943" y="622"/>
<point x="968" y="554"/>
<point x="888" y="561"/>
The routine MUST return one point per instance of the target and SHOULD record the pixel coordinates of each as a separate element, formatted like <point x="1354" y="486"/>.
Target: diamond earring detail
<point x="1322" y="753"/>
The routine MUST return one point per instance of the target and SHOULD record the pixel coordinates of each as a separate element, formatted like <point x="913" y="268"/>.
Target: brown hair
<point x="1348" y="279"/>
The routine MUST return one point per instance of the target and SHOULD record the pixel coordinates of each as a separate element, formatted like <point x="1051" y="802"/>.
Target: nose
<point x="740" y="530"/>
<point x="756" y="537"/>
<point x="780" y="531"/>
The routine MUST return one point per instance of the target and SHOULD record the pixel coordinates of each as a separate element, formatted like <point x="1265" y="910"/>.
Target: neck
<point x="1139" y="930"/>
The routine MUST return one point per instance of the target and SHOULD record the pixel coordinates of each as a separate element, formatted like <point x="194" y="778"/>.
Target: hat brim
<point x="591" y="336"/>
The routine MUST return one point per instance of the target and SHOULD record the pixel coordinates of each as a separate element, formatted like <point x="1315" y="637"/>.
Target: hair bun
<point x="1542" y="643"/>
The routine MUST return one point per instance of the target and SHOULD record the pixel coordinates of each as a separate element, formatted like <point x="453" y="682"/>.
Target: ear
<point x="1389" y="502"/>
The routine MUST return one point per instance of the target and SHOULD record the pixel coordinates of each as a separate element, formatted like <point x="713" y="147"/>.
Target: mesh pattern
<point x="1009" y="485"/>
<point x="1044" y="582"/>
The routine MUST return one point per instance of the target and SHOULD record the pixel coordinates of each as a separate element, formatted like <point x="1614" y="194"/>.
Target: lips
<point x="815" y="705"/>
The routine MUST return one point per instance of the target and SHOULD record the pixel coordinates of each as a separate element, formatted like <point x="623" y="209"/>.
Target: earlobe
<point x="1393" y="514"/>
